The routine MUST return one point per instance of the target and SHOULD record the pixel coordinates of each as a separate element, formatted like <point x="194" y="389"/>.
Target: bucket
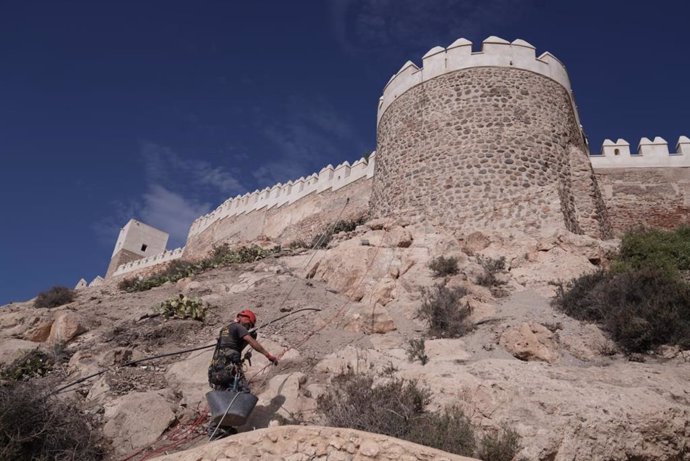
<point x="240" y="406"/>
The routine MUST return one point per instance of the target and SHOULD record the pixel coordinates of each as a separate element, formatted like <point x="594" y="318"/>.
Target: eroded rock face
<point x="302" y="443"/>
<point x="12" y="349"/>
<point x="570" y="396"/>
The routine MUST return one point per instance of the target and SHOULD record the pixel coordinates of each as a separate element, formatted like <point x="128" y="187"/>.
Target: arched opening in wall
<point x="616" y="151"/>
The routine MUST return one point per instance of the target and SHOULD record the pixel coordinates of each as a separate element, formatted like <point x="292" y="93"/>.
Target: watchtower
<point x="483" y="141"/>
<point x="136" y="240"/>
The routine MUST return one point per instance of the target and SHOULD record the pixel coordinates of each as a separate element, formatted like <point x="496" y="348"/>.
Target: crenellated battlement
<point x="329" y="178"/>
<point x="495" y="52"/>
<point x="650" y="154"/>
<point x="167" y="255"/>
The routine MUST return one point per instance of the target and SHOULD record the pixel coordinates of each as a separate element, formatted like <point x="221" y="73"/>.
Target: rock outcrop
<point x="302" y="443"/>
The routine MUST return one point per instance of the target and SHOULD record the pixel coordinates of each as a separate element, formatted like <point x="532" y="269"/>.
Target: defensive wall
<point x="297" y="210"/>
<point x="131" y="266"/>
<point x="471" y="140"/>
<point x="649" y="187"/>
<point x="283" y="213"/>
<point x="485" y="140"/>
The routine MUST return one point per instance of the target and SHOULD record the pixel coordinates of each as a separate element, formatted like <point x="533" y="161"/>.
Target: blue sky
<point x="160" y="110"/>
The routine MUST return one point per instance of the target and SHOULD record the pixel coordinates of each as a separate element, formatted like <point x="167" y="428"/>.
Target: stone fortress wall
<point x="329" y="178"/>
<point x="284" y="212"/>
<point x="650" y="187"/>
<point x="470" y="140"/>
<point x="483" y="141"/>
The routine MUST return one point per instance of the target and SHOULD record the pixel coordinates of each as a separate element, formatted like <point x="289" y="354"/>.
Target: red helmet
<point x="249" y="314"/>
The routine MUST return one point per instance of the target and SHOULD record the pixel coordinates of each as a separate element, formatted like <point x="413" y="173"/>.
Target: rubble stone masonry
<point x="652" y="197"/>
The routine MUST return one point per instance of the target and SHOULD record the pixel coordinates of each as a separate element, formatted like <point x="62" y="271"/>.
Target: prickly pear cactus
<point x="182" y="307"/>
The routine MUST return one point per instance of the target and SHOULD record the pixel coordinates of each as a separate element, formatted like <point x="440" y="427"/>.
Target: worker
<point x="226" y="364"/>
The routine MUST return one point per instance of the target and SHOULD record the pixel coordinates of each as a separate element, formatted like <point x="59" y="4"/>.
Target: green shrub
<point x="416" y="350"/>
<point x="182" y="307"/>
<point x="502" y="446"/>
<point x="30" y="365"/>
<point x="665" y="250"/>
<point x="221" y="256"/>
<point x="397" y="408"/>
<point x="44" y="429"/>
<point x="56" y="296"/>
<point x="443" y="313"/>
<point x="442" y="266"/>
<point x="640" y="309"/>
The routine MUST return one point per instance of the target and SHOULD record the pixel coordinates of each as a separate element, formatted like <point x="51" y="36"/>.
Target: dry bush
<point x="44" y="429"/>
<point x="492" y="267"/>
<point x="56" y="296"/>
<point x="443" y="312"/>
<point x="442" y="266"/>
<point x="416" y="350"/>
<point x="323" y="239"/>
<point x="578" y="298"/>
<point x="397" y="408"/>
<point x="502" y="446"/>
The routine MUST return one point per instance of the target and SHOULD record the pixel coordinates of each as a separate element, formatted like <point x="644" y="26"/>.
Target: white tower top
<point x="141" y="239"/>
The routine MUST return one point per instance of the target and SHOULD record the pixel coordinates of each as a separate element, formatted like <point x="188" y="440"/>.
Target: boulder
<point x="136" y="420"/>
<point x="475" y="242"/>
<point x="190" y="377"/>
<point x="399" y="237"/>
<point x="67" y="326"/>
<point x="40" y="332"/>
<point x="283" y="398"/>
<point x="530" y="341"/>
<point x="365" y="319"/>
<point x="82" y="364"/>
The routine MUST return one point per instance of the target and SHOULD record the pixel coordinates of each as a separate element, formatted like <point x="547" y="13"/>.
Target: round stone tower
<point x="485" y="141"/>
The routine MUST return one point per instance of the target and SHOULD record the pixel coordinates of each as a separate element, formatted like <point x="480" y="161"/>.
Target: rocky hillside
<point x="559" y="383"/>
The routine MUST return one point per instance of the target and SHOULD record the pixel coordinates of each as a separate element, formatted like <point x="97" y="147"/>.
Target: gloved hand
<point x="272" y="358"/>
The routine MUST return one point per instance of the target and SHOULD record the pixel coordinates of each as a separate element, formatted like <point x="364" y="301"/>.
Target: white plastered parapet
<point x="329" y="178"/>
<point x="495" y="52"/>
<point x="167" y="255"/>
<point x="650" y="154"/>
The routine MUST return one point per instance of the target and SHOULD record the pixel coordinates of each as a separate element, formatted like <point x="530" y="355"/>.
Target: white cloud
<point x="171" y="212"/>
<point x="375" y="26"/>
<point x="311" y="133"/>
<point x="108" y="228"/>
<point x="178" y="190"/>
<point x="163" y="165"/>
